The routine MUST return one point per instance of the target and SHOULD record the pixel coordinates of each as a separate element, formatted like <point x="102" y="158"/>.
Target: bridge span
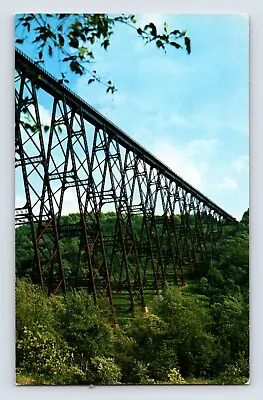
<point x="161" y="226"/>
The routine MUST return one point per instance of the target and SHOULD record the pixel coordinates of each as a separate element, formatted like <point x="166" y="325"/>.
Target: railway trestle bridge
<point x="71" y="155"/>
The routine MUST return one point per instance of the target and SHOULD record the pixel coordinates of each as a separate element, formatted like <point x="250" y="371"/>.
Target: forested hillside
<point x="198" y="333"/>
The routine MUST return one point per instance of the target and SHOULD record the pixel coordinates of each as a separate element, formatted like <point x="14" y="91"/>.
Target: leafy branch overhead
<point x="74" y="38"/>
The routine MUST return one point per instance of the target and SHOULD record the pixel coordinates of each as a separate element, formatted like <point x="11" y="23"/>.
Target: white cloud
<point x="70" y="203"/>
<point x="44" y="113"/>
<point x="202" y="147"/>
<point x="189" y="161"/>
<point x="241" y="163"/>
<point x="227" y="183"/>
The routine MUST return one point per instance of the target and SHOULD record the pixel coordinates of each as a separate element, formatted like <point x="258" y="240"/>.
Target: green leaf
<point x="76" y="67"/>
<point x="92" y="39"/>
<point x="159" y="44"/>
<point x="61" y="16"/>
<point x="50" y="51"/>
<point x="37" y="39"/>
<point x="61" y="40"/>
<point x="106" y="43"/>
<point x="69" y="58"/>
<point x="82" y="51"/>
<point x="175" y="32"/>
<point x="175" y="44"/>
<point x="110" y="89"/>
<point x="29" y="18"/>
<point x="187" y="44"/>
<point x="74" y="42"/>
<point x="153" y="28"/>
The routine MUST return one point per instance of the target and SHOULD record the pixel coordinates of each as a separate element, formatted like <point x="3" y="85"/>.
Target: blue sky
<point x="191" y="111"/>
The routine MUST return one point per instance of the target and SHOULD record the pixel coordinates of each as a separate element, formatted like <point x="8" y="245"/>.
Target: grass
<point x="31" y="380"/>
<point x="121" y="299"/>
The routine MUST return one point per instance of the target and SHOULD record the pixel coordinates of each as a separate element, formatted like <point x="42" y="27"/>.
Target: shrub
<point x="175" y="377"/>
<point x="231" y="330"/>
<point x="33" y="307"/>
<point x="188" y="331"/>
<point x="204" y="286"/>
<point x="140" y="374"/>
<point x="148" y="334"/>
<point x="237" y="373"/>
<point x="41" y="352"/>
<point x="103" y="371"/>
<point x="86" y="328"/>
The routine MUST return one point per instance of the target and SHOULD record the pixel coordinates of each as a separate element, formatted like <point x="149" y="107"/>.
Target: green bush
<point x="33" y="307"/>
<point x="150" y="345"/>
<point x="204" y="286"/>
<point x="86" y="328"/>
<point x="42" y="352"/>
<point x="237" y="373"/>
<point x="188" y="331"/>
<point x="175" y="377"/>
<point x="139" y="374"/>
<point x="231" y="330"/>
<point x="103" y="371"/>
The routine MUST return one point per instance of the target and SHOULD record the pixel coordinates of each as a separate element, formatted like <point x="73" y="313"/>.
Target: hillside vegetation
<point x="198" y="333"/>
